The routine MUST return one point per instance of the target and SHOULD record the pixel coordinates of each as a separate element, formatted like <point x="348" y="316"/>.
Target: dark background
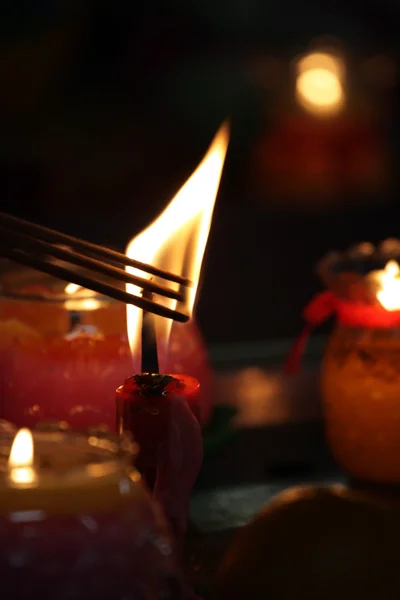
<point x="107" y="106"/>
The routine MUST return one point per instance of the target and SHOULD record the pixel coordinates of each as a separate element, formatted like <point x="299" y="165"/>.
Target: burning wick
<point x="149" y="340"/>
<point x="20" y="462"/>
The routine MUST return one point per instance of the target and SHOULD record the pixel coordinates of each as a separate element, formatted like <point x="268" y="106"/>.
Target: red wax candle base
<point x="74" y="378"/>
<point x="155" y="409"/>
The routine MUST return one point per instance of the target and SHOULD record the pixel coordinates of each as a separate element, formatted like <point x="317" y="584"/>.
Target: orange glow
<point x="176" y="240"/>
<point x="389" y="279"/>
<point x="80" y="298"/>
<point x="20" y="461"/>
<point x="319" y="83"/>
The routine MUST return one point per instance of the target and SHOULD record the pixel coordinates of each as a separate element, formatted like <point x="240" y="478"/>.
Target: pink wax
<point x="74" y="378"/>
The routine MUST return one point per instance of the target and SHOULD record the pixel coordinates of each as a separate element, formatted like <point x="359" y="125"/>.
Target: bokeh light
<point x="319" y="83"/>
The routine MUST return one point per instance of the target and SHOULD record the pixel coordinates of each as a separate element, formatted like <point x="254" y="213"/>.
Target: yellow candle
<point x="73" y="513"/>
<point x="59" y="472"/>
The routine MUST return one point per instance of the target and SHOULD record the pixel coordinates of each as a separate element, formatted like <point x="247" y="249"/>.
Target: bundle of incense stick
<point x="39" y="247"/>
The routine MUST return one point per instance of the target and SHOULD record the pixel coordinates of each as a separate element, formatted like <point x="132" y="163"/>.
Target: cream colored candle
<point x="75" y="521"/>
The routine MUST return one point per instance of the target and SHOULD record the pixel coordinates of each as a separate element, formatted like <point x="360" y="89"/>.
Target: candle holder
<point x="75" y="521"/>
<point x="59" y="337"/>
<point x="360" y="378"/>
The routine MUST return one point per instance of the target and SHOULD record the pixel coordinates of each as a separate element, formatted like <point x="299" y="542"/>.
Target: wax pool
<point x="361" y="367"/>
<point x="86" y="529"/>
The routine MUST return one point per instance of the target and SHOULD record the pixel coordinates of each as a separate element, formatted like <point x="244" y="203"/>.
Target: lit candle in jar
<point x="75" y="520"/>
<point x="20" y="464"/>
<point x="65" y="338"/>
<point x="159" y="408"/>
<point x="361" y="365"/>
<point x="84" y="366"/>
<point x="361" y="383"/>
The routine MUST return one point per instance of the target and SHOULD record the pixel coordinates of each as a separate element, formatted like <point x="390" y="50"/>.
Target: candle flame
<point x="20" y="461"/>
<point x="389" y="280"/>
<point x="176" y="240"/>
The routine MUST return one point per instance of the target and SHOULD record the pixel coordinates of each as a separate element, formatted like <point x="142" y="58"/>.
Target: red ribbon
<point x="352" y="314"/>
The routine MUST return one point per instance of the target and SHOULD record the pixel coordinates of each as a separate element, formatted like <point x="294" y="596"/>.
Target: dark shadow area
<point x="107" y="107"/>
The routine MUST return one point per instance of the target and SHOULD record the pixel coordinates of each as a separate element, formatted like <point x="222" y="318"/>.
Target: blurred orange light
<point x="319" y="83"/>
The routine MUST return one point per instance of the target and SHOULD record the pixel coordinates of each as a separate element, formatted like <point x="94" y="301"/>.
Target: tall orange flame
<point x="176" y="240"/>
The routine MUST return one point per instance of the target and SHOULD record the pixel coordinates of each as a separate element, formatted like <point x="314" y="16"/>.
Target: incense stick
<point x="50" y="235"/>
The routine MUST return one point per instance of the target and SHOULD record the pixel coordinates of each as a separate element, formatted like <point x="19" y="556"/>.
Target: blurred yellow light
<point x="321" y="60"/>
<point x="319" y="87"/>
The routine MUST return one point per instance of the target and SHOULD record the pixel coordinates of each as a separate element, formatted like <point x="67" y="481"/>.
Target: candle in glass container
<point x="361" y="365"/>
<point x="76" y="344"/>
<point x="76" y="522"/>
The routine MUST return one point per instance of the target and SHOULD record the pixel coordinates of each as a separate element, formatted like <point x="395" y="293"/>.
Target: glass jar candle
<point x="59" y="337"/>
<point x="75" y="521"/>
<point x="360" y="377"/>
<point x="361" y="400"/>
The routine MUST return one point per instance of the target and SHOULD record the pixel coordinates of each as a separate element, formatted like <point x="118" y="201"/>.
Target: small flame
<point x="389" y="279"/>
<point x="176" y="240"/>
<point x="20" y="461"/>
<point x="319" y="83"/>
<point x="71" y="288"/>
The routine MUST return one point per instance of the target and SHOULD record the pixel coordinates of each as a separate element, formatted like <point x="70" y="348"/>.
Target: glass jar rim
<point x="92" y="450"/>
<point x="22" y="283"/>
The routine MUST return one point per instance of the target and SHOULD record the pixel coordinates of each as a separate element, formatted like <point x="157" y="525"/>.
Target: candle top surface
<point x="67" y="453"/>
<point x="56" y="470"/>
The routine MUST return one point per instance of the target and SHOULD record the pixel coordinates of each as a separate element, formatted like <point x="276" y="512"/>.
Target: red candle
<point x="155" y="409"/>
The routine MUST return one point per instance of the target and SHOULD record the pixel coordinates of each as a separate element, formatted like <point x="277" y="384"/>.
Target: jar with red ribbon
<point x="360" y="379"/>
